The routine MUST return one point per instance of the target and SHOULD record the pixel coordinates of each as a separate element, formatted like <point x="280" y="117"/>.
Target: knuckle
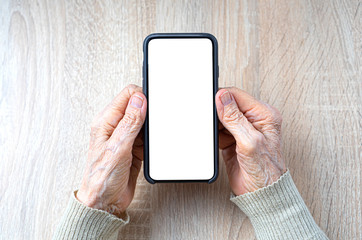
<point x="232" y="114"/>
<point x="278" y="116"/>
<point x="131" y="121"/>
<point x="278" y="123"/>
<point x="117" y="148"/>
<point x="132" y="118"/>
<point x="258" y="139"/>
<point x="232" y="88"/>
<point x="274" y="115"/>
<point x="94" y="128"/>
<point x="129" y="89"/>
<point x="110" y="148"/>
<point x="248" y="148"/>
<point x="277" y="120"/>
<point x="253" y="143"/>
<point x="131" y="86"/>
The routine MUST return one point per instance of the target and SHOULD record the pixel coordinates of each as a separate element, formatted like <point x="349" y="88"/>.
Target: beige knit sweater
<point x="276" y="212"/>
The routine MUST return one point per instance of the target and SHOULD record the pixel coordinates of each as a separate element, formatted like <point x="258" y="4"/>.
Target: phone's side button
<point x="217" y="71"/>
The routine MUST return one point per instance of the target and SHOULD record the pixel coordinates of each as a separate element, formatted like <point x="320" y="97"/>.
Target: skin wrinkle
<point x="255" y="160"/>
<point x="101" y="168"/>
<point x="109" y="180"/>
<point x="102" y="199"/>
<point x="250" y="139"/>
<point x="261" y="168"/>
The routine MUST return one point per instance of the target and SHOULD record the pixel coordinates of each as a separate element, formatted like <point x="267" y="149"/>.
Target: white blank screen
<point x="180" y="110"/>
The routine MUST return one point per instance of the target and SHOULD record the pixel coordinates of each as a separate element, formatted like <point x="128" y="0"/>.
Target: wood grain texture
<point x="61" y="62"/>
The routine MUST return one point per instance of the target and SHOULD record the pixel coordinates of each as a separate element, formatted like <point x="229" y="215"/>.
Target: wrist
<point x="91" y="201"/>
<point x="281" y="204"/>
<point x="85" y="198"/>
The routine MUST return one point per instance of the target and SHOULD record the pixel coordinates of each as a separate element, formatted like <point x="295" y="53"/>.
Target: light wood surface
<point x="62" y="62"/>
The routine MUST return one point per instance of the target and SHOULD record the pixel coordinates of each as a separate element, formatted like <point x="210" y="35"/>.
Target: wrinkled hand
<point x="115" y="153"/>
<point x="250" y="139"/>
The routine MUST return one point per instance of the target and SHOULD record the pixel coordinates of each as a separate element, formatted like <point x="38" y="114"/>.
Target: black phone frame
<point x="215" y="89"/>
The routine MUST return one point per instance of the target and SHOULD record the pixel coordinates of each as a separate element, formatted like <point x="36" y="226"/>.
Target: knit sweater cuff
<point x="82" y="222"/>
<point x="279" y="212"/>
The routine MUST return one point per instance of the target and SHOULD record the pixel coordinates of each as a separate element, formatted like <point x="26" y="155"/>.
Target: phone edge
<point x="215" y="89"/>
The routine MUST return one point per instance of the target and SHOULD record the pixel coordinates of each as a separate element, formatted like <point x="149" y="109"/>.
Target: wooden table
<point x="62" y="62"/>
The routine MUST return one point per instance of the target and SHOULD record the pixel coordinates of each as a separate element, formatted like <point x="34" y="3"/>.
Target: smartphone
<point x="180" y="81"/>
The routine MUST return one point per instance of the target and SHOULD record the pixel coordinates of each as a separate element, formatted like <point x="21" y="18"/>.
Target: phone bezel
<point x="215" y="89"/>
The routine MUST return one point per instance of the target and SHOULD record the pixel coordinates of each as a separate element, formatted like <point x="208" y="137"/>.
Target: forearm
<point x="82" y="222"/>
<point x="279" y="212"/>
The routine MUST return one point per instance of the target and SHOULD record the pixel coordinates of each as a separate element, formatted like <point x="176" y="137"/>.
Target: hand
<point x="115" y="153"/>
<point x="250" y="141"/>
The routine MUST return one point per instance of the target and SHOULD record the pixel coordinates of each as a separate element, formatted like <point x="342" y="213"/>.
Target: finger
<point x="261" y="115"/>
<point x="138" y="152"/>
<point x="139" y="140"/>
<point x="137" y="149"/>
<point x="230" y="115"/>
<point x="134" y="172"/>
<point x="128" y="128"/>
<point x="219" y="125"/>
<point x="245" y="101"/>
<point x="225" y="140"/>
<point x="228" y="152"/>
<point x="114" y="112"/>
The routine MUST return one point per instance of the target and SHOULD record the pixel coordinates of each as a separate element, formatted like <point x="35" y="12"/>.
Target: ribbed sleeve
<point x="279" y="212"/>
<point x="82" y="222"/>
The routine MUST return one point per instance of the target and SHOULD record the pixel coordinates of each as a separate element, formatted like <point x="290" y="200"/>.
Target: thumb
<point x="230" y="115"/>
<point x="132" y="121"/>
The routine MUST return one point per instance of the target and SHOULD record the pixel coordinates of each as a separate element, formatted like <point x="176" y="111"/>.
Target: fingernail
<point x="136" y="101"/>
<point x="226" y="98"/>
